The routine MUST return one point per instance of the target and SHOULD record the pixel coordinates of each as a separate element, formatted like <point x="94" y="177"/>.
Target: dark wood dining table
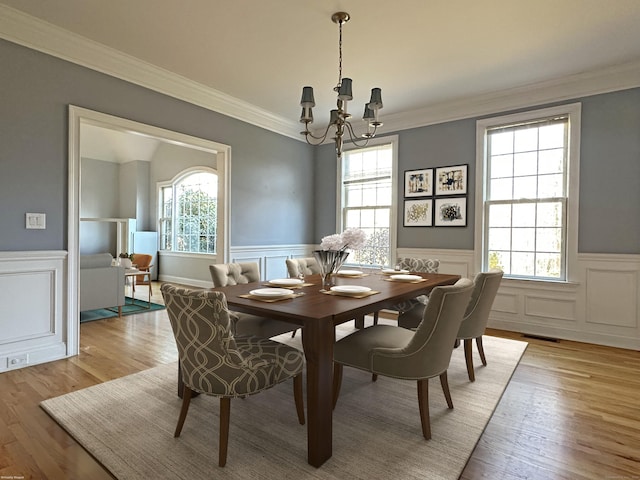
<point x="318" y="313"/>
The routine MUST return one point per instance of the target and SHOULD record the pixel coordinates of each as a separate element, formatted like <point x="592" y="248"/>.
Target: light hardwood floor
<point x="571" y="410"/>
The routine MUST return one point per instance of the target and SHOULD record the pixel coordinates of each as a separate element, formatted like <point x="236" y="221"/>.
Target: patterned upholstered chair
<point x="475" y="319"/>
<point x="424" y="265"/>
<point x="214" y="362"/>
<point x="224" y="274"/>
<point x="406" y="354"/>
<point x="307" y="266"/>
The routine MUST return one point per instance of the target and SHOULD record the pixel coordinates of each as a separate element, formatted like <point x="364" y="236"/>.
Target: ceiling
<point x="420" y="52"/>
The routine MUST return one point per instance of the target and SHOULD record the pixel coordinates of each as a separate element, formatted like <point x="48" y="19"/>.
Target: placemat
<point x="269" y="299"/>
<point x="350" y="295"/>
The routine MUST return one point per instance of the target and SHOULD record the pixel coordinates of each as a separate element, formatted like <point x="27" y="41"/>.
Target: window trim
<point x="393" y="220"/>
<point x="172" y="183"/>
<point x="573" y="111"/>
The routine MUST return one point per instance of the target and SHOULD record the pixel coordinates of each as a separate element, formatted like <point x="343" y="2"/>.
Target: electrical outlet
<point x="18" y="360"/>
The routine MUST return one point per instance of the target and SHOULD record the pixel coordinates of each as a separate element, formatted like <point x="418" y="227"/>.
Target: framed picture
<point x="451" y="180"/>
<point x="451" y="212"/>
<point x="418" y="213"/>
<point x="418" y="183"/>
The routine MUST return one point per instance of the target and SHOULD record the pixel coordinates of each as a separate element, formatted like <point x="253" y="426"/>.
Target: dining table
<point x="317" y="312"/>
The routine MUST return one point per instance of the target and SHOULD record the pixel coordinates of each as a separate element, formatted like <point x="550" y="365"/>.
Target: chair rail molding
<point x="34" y="327"/>
<point x="601" y="304"/>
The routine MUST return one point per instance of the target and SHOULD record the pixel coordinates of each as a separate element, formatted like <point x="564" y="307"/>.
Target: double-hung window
<point x="367" y="199"/>
<point x="529" y="190"/>
<point x="188" y="218"/>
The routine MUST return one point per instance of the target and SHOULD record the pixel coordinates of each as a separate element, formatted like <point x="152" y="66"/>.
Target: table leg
<point x="317" y="340"/>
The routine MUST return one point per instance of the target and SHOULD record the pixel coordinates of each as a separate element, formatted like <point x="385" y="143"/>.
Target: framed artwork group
<point x="436" y="197"/>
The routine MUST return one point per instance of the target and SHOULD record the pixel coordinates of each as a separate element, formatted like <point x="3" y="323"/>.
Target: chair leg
<point x="468" y="356"/>
<point x="337" y="382"/>
<point x="186" y="399"/>
<point x="375" y="318"/>
<point x="293" y="334"/>
<point x="444" y="381"/>
<point x="374" y="377"/>
<point x="225" y="411"/>
<point x="481" y="350"/>
<point x="297" y="395"/>
<point x="423" y="403"/>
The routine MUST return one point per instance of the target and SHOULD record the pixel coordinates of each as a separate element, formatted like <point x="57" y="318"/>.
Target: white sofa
<point x="101" y="283"/>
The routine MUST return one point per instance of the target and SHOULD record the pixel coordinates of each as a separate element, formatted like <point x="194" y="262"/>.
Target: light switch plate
<point x="36" y="220"/>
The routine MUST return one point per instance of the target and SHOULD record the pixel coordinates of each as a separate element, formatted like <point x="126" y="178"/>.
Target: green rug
<point x="130" y="307"/>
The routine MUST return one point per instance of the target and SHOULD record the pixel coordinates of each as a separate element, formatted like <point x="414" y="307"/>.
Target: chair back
<point x="201" y="325"/>
<point x="223" y="274"/>
<point x="142" y="262"/>
<point x="429" y="351"/>
<point x="425" y="265"/>
<point x="307" y="265"/>
<point x="485" y="288"/>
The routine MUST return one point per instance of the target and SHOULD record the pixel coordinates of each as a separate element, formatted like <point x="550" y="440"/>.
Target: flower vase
<point x="329" y="262"/>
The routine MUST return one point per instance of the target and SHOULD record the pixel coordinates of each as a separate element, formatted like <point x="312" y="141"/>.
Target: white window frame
<point x="393" y="220"/>
<point x="172" y="183"/>
<point x="573" y="111"/>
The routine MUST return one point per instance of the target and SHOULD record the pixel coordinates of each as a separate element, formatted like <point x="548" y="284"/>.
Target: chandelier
<point x="339" y="118"/>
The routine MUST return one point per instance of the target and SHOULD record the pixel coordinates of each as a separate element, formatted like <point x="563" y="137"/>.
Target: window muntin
<point x="367" y="200"/>
<point x="188" y="221"/>
<point x="526" y="195"/>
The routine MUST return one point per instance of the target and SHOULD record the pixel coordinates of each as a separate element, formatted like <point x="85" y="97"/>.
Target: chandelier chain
<point x="340" y="58"/>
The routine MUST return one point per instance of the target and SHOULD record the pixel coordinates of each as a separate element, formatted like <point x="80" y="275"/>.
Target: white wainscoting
<point x="270" y="259"/>
<point x="600" y="305"/>
<point x="33" y="327"/>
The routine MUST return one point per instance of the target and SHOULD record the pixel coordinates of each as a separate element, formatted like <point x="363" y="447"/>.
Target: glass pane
<point x="369" y="195"/>
<point x="552" y="136"/>
<point x="499" y="215"/>
<point x="549" y="240"/>
<point x="383" y="216"/>
<point x="499" y="239"/>
<point x="525" y="164"/>
<point x="367" y="218"/>
<point x="549" y="214"/>
<point x="501" y="166"/>
<point x="353" y="195"/>
<point x="352" y="219"/>
<point x="525" y="187"/>
<point x="500" y="260"/>
<point x="524" y="215"/>
<point x="501" y="189"/>
<point x="551" y="161"/>
<point x="522" y="263"/>
<point x="501" y="143"/>
<point x="548" y="265"/>
<point x="526" y="140"/>
<point x="524" y="239"/>
<point x="550" y="186"/>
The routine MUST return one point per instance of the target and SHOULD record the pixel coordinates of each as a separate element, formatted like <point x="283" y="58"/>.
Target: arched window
<point x="189" y="212"/>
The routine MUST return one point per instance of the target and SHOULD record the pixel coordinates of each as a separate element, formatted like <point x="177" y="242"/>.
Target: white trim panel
<point x="32" y="325"/>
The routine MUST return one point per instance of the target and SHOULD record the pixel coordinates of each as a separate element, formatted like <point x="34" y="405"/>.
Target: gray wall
<point x="280" y="184"/>
<point x="609" y="211"/>
<point x="35" y="94"/>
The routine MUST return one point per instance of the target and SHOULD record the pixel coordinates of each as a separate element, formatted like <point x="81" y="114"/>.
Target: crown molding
<point x="36" y="34"/>
<point x="572" y="87"/>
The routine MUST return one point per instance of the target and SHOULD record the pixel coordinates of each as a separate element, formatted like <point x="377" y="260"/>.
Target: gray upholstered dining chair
<point x="406" y="354"/>
<point x="223" y="274"/>
<point x="214" y="362"/>
<point x="305" y="265"/>
<point x="474" y="322"/>
<point x="423" y="265"/>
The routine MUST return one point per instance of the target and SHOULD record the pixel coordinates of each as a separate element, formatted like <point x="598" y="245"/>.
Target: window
<point x="188" y="218"/>
<point x="367" y="199"/>
<point x="529" y="210"/>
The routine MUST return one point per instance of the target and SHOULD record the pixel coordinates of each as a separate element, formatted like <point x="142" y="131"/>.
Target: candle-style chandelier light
<point x="339" y="117"/>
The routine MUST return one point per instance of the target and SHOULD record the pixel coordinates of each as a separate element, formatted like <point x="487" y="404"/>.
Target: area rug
<point x="130" y="307"/>
<point x="127" y="424"/>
